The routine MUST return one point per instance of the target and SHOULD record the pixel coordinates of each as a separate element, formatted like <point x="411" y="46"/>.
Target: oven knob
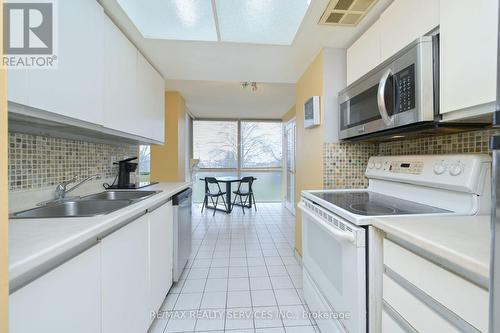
<point x="378" y="165"/>
<point x="456" y="169"/>
<point x="439" y="168"/>
<point x="371" y="165"/>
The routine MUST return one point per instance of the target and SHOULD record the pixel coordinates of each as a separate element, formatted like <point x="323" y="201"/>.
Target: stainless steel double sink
<point x="92" y="205"/>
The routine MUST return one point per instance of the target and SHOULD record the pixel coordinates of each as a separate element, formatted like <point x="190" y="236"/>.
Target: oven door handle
<point x="382" y="107"/>
<point x="346" y="236"/>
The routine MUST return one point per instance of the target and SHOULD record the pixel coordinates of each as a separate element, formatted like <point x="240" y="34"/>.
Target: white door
<point x="67" y="299"/>
<point x="161" y="249"/>
<point x="290" y="142"/>
<point x="125" y="279"/>
<point x="334" y="257"/>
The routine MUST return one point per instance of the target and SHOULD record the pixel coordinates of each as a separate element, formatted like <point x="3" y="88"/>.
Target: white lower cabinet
<point x="112" y="287"/>
<point x="436" y="301"/>
<point x="67" y="299"/>
<point x="160" y="254"/>
<point x="390" y="325"/>
<point x="125" y="279"/>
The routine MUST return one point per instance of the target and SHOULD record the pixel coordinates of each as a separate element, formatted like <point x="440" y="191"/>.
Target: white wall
<point x="334" y="81"/>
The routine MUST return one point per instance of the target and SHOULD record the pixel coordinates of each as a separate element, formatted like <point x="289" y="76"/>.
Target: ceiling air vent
<point x="346" y="12"/>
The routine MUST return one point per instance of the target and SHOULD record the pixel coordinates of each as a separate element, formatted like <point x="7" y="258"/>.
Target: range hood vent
<point x="346" y="12"/>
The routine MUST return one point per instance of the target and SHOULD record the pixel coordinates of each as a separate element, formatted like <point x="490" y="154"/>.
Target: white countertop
<point x="35" y="242"/>
<point x="462" y="240"/>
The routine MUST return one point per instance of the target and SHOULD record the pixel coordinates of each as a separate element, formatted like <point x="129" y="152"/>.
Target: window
<point x="240" y="148"/>
<point x="215" y="143"/>
<point x="144" y="163"/>
<point x="261" y="144"/>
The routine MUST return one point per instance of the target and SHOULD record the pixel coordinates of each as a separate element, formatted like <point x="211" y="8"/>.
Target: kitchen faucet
<point x="61" y="190"/>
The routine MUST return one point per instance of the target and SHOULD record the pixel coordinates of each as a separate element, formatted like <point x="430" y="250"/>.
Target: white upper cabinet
<point x="17" y="87"/>
<point x="101" y="78"/>
<point x="468" y="37"/>
<point x="364" y="54"/>
<point x="120" y="77"/>
<point x="76" y="88"/>
<point x="150" y="103"/>
<point x="66" y="299"/>
<point x="404" y="21"/>
<point x="400" y="24"/>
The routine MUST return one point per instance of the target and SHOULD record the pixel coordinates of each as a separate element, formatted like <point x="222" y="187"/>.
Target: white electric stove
<point x="336" y="225"/>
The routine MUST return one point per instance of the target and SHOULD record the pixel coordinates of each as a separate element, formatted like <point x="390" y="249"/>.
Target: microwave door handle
<point x="346" y="236"/>
<point x="382" y="108"/>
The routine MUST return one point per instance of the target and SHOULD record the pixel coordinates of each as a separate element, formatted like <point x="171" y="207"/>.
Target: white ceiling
<point x="217" y="99"/>
<point x="231" y="63"/>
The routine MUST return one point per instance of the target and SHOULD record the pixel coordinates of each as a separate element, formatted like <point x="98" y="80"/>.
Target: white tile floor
<point x="242" y="277"/>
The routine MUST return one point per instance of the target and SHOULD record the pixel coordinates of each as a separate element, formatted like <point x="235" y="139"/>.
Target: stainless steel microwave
<point x="398" y="93"/>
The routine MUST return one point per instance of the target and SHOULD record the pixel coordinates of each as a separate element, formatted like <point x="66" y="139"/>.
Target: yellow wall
<point x="289" y="115"/>
<point x="309" y="156"/>
<point x="4" y="223"/>
<point x="168" y="162"/>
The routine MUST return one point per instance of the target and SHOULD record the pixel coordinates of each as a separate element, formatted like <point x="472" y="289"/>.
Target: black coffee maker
<point x="125" y="168"/>
<point x="122" y="180"/>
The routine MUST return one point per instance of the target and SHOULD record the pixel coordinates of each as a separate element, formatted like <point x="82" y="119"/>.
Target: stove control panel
<point x="411" y="167"/>
<point x="465" y="172"/>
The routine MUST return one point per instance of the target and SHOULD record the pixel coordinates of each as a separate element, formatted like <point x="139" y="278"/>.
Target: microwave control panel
<point x="405" y="84"/>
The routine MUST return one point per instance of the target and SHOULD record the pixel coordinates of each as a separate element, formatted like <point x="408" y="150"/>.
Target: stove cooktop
<point x="373" y="204"/>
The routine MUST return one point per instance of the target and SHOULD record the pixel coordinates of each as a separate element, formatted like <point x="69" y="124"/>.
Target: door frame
<point x="289" y="205"/>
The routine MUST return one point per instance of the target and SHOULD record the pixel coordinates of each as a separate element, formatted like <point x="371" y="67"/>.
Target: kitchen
<point x="187" y="166"/>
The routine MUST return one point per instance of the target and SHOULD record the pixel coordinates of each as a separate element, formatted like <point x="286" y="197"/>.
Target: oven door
<point x="334" y="259"/>
<point x="368" y="107"/>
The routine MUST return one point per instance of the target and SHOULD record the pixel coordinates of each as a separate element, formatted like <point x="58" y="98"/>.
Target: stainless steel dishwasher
<point x="182" y="230"/>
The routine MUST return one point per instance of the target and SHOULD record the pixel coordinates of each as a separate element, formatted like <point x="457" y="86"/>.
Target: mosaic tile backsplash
<point x="37" y="162"/>
<point x="460" y="143"/>
<point x="344" y="164"/>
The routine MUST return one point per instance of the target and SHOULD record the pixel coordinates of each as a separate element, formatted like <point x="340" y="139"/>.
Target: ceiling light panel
<point x="260" y="21"/>
<point x="172" y="19"/>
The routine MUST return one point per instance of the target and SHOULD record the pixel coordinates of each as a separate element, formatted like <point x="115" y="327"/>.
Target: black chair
<point x="216" y="193"/>
<point x="245" y="190"/>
